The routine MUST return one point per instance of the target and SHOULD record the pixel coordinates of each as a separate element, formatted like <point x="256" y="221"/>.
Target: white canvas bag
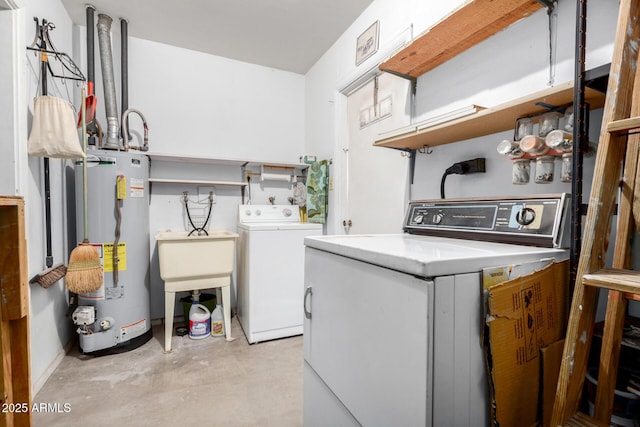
<point x="53" y="132"/>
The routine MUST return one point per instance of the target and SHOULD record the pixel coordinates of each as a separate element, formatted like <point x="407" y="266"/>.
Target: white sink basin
<point x="195" y="257"/>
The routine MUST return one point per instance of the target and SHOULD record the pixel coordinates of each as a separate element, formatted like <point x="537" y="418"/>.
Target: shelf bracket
<point x="412" y="79"/>
<point x="549" y="4"/>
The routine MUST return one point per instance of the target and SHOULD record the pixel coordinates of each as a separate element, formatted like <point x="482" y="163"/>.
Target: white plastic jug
<point x="217" y="324"/>
<point x="199" y="321"/>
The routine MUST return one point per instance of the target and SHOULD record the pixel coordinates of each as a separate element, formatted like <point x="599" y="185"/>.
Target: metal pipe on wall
<point x="106" y="62"/>
<point x="124" y="66"/>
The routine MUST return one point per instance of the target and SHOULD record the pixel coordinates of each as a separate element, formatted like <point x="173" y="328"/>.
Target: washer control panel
<point x="268" y="213"/>
<point x="535" y="220"/>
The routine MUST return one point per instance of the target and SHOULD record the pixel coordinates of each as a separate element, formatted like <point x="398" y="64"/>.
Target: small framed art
<point x="367" y="43"/>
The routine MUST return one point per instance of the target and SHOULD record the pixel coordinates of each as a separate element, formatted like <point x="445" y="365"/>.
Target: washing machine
<point x="394" y="322"/>
<point x="271" y="270"/>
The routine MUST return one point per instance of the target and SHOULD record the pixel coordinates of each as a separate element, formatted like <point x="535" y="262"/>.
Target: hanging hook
<point x="426" y="149"/>
<point x="42" y="43"/>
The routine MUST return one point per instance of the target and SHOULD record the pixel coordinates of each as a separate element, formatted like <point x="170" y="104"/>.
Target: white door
<point x="377" y="177"/>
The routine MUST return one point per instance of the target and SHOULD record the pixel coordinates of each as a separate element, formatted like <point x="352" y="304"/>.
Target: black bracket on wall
<point x="549" y="4"/>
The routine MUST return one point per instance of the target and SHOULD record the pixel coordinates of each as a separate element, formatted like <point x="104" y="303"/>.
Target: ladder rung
<point x="623" y="125"/>
<point x="582" y="420"/>
<point x="627" y="281"/>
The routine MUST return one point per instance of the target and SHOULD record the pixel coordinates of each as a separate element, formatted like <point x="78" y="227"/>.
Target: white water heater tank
<point x="118" y="203"/>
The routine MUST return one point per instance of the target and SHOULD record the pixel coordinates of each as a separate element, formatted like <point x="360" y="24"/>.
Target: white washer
<point x="271" y="270"/>
<point x="392" y="333"/>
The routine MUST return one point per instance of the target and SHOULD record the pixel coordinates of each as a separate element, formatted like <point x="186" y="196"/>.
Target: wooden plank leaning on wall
<point x="15" y="363"/>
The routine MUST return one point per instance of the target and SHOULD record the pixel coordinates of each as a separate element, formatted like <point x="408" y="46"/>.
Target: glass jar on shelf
<point x="568" y="120"/>
<point x="524" y="127"/>
<point x="559" y="140"/>
<point x="567" y="167"/>
<point x="521" y="171"/>
<point x="534" y="145"/>
<point x="509" y="148"/>
<point x="544" y="169"/>
<point x="548" y="122"/>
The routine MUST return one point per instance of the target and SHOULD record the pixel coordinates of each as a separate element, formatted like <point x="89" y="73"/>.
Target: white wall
<point x="205" y="106"/>
<point x="509" y="65"/>
<point x="195" y="105"/>
<point x="325" y="108"/>
<point x="50" y="330"/>
<point x="11" y="48"/>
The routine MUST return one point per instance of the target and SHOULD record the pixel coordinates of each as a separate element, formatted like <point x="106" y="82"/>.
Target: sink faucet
<point x="125" y="130"/>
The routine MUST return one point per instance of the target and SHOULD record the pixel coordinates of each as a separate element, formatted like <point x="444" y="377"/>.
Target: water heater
<point x="116" y="317"/>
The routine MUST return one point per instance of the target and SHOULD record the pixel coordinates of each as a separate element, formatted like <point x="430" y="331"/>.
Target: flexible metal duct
<point x="106" y="63"/>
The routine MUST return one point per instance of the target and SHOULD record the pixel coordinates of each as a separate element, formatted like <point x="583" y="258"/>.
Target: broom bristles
<point x="84" y="273"/>
<point x="50" y="276"/>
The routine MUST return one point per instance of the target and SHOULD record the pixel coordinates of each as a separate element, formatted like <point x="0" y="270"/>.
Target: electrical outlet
<point x="475" y="165"/>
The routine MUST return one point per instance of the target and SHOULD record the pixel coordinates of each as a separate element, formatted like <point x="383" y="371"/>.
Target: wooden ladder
<point x="616" y="147"/>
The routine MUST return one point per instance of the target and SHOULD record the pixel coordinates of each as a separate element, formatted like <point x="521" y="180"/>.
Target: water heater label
<point x="107" y="259"/>
<point x="114" y="293"/>
<point x="136" y="187"/>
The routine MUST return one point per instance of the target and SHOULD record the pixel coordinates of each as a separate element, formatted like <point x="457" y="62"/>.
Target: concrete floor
<point x="207" y="382"/>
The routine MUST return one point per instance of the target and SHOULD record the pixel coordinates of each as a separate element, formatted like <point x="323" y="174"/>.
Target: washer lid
<point x="257" y="226"/>
<point x="430" y="256"/>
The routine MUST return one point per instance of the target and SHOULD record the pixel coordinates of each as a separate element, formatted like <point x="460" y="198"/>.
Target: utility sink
<point x="192" y="263"/>
<point x="183" y="257"/>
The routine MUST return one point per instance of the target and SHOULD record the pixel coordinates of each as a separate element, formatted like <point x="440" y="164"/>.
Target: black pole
<point x="124" y="67"/>
<point x="90" y="47"/>
<point x="580" y="134"/>
<point x="91" y="65"/>
<point x="47" y="184"/>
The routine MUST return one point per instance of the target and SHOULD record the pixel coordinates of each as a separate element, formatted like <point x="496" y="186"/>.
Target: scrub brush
<point x="49" y="276"/>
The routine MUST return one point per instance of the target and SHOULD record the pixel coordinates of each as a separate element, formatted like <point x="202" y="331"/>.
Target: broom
<point x="84" y="273"/>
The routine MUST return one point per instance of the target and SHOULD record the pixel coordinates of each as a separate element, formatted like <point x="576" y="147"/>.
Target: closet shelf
<point x="197" y="182"/>
<point x="166" y="157"/>
<point x="489" y="121"/>
<point x="465" y="27"/>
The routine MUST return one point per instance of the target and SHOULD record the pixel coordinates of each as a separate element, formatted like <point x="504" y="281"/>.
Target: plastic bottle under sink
<point x="199" y="321"/>
<point x="217" y="324"/>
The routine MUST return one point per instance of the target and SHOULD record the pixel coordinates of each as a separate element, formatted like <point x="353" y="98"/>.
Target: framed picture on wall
<point x="367" y="43"/>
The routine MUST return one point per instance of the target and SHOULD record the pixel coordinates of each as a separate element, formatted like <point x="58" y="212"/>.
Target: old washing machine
<point x="271" y="270"/>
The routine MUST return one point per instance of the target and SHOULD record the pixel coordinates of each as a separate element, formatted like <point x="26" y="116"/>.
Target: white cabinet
<point x="368" y="340"/>
<point x="386" y="348"/>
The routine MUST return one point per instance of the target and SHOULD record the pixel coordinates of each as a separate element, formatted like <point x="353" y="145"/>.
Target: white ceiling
<point x="289" y="35"/>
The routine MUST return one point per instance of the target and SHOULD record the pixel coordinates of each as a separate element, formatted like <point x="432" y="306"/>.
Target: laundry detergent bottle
<point x="199" y="321"/>
<point x="217" y="324"/>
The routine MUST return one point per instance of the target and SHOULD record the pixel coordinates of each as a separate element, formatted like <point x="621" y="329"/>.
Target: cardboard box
<point x="551" y="360"/>
<point x="524" y="315"/>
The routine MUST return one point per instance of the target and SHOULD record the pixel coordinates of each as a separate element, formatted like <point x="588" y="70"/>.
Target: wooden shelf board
<point x="196" y="182"/>
<point x="468" y="25"/>
<point x="490" y="120"/>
